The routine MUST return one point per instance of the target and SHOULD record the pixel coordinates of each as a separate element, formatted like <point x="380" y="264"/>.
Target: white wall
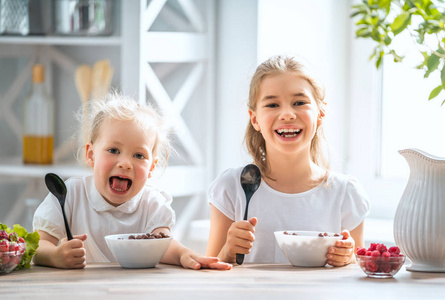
<point x="317" y="31"/>
<point x="236" y="58"/>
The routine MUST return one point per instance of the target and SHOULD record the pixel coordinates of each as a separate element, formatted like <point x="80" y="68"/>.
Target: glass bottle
<point x="38" y="129"/>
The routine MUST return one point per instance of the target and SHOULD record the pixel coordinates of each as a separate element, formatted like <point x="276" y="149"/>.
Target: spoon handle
<point x="67" y="227"/>
<point x="239" y="258"/>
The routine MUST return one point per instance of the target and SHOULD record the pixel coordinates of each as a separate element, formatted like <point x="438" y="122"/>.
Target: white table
<point x="248" y="281"/>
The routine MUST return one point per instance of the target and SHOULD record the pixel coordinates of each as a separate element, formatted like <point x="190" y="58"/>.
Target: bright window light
<point x="409" y="120"/>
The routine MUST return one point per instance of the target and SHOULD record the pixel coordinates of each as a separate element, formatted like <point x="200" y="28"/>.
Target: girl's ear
<point x="253" y="120"/>
<point x="321" y="115"/>
<point x="152" y="167"/>
<point x="89" y="155"/>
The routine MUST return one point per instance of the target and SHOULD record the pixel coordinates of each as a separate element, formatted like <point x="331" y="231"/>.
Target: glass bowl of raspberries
<point x="12" y="248"/>
<point x="378" y="261"/>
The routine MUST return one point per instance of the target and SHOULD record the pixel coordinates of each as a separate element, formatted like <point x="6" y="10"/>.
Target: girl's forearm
<point x="45" y="254"/>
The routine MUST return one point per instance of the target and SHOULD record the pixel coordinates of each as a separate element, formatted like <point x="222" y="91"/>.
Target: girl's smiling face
<point x="122" y="160"/>
<point x="286" y="113"/>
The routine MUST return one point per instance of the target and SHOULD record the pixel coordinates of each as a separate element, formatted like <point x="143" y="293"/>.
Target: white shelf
<point x="62" y="40"/>
<point x="191" y="177"/>
<point x="15" y="168"/>
<point x="135" y="45"/>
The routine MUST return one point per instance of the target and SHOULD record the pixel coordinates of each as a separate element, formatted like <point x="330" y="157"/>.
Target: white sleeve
<point x="160" y="211"/>
<point x="48" y="217"/>
<point x="222" y="193"/>
<point x="355" y="206"/>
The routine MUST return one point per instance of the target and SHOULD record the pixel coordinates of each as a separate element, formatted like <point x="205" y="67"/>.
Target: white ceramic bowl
<point x="306" y="248"/>
<point x="137" y="253"/>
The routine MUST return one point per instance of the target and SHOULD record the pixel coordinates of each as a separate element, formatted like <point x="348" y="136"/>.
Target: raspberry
<point x="386" y="256"/>
<point x="13" y="246"/>
<point x="375" y="254"/>
<point x="385" y="267"/>
<point x="15" y="260"/>
<point x="361" y="251"/>
<point x="368" y="253"/>
<point x="4" y="235"/>
<point x="381" y="248"/>
<point x="13" y="237"/>
<point x="21" y="240"/>
<point x="371" y="266"/>
<point x="4" y="245"/>
<point x="5" y="259"/>
<point x="394" y="250"/>
<point x="373" y="246"/>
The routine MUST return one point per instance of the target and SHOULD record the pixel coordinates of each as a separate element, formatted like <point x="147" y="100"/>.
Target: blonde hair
<point x="124" y="108"/>
<point x="254" y="139"/>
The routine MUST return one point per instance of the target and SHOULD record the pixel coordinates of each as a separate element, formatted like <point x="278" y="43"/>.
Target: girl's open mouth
<point x="119" y="184"/>
<point x="288" y="133"/>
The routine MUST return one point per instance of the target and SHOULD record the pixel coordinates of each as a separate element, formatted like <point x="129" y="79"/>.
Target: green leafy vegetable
<point x="31" y="240"/>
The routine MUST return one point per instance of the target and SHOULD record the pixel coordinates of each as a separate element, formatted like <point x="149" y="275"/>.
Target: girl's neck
<point x="293" y="174"/>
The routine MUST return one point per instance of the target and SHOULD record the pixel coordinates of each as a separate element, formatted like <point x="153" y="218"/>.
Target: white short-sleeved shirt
<point x="88" y="212"/>
<point x="337" y="204"/>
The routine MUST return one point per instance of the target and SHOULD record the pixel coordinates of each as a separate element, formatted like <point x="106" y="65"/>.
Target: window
<point x="409" y="120"/>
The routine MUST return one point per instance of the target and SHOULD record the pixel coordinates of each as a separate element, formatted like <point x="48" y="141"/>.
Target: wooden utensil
<point x="101" y="78"/>
<point x="83" y="81"/>
<point x="83" y="76"/>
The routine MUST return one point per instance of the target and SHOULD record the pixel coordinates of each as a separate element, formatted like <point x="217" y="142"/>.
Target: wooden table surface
<point x="248" y="281"/>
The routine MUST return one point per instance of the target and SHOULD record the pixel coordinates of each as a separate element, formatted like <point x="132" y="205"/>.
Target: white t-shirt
<point x="337" y="204"/>
<point x="88" y="212"/>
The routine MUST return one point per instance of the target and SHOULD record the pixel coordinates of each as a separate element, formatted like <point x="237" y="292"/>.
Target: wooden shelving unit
<point x="147" y="62"/>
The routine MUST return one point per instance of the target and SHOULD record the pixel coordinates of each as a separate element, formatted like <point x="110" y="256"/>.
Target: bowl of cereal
<point x="138" y="250"/>
<point x="306" y="248"/>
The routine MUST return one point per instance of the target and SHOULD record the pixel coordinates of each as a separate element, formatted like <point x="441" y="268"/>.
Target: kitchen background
<point x="193" y="60"/>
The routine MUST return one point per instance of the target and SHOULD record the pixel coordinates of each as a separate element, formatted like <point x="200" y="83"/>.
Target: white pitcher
<point x="419" y="222"/>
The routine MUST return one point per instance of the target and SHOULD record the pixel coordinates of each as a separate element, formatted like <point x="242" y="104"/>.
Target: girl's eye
<point x="139" y="156"/>
<point x="271" y="105"/>
<point x="299" y="103"/>
<point x="113" y="151"/>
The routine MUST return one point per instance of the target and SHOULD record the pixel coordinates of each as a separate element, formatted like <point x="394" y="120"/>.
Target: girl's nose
<point x="124" y="163"/>
<point x="287" y="113"/>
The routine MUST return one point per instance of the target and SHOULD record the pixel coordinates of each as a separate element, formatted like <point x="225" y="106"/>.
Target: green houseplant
<point x="383" y="20"/>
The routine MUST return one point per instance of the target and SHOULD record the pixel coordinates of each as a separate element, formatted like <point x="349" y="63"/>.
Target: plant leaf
<point x="379" y="61"/>
<point x="442" y="76"/>
<point x="363" y="32"/>
<point x="432" y="63"/>
<point x="384" y="3"/>
<point x="435" y="92"/>
<point x="400" y="22"/>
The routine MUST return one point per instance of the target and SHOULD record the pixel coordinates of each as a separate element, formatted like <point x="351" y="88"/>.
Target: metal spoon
<point x="58" y="188"/>
<point x="250" y="182"/>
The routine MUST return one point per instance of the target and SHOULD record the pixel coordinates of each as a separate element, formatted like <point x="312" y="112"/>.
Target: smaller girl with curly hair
<point x="125" y="142"/>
